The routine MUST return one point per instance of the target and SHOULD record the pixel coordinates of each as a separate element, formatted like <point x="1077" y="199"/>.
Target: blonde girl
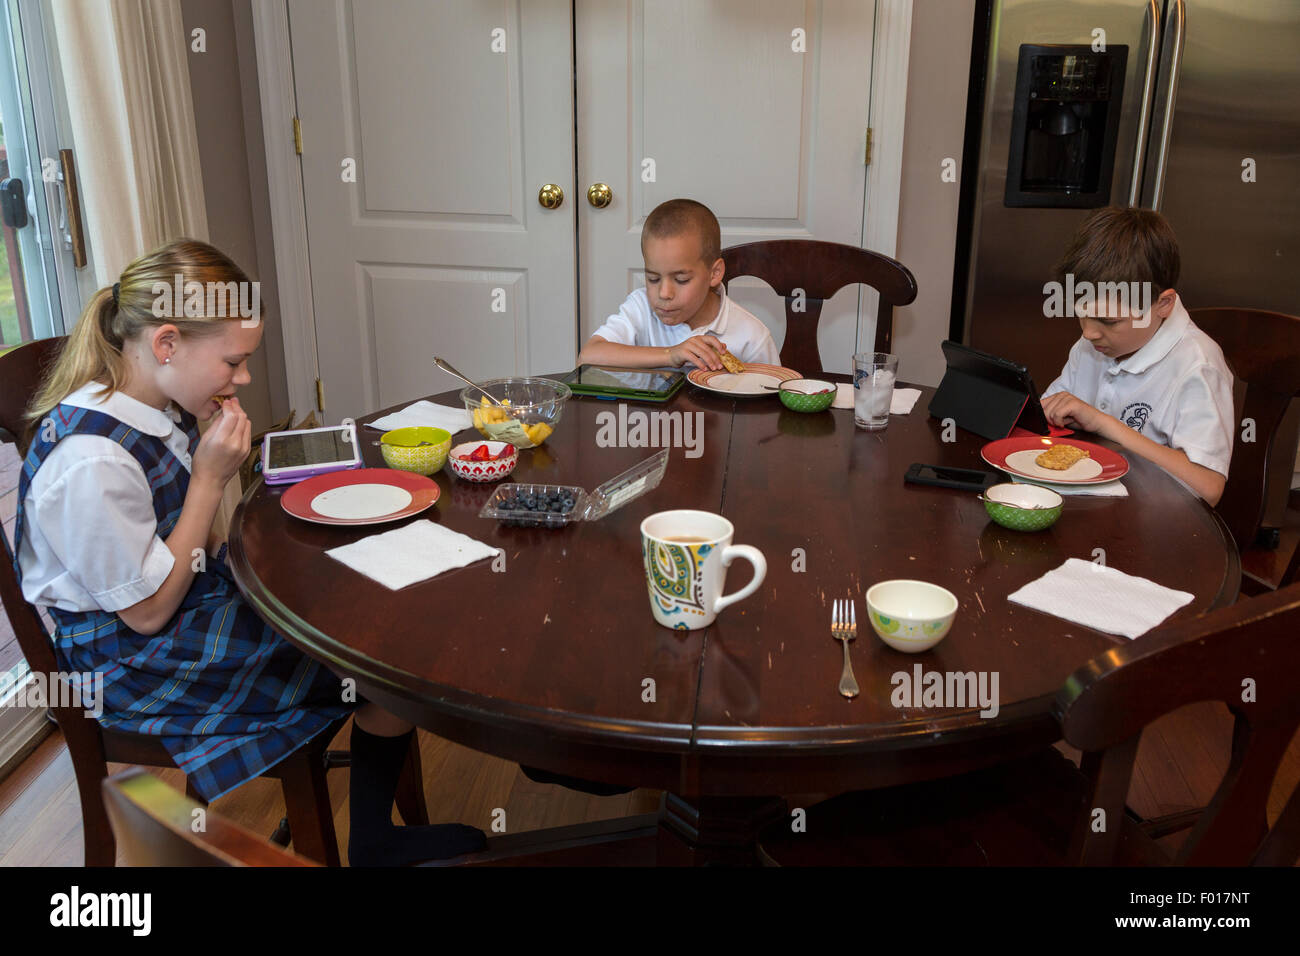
<point x="116" y="498"/>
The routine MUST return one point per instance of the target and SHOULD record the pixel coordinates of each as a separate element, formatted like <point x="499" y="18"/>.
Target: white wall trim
<point x="889" y="60"/>
<point x="891" y="52"/>
<point x="288" y="212"/>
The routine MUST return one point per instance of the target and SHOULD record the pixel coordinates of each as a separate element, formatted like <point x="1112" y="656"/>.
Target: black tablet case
<point x="987" y="395"/>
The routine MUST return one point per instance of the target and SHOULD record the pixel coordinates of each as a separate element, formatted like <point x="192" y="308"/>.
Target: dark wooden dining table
<point x="554" y="660"/>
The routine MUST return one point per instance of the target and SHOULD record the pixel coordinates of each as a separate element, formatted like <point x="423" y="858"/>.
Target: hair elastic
<point x="117" y="286"/>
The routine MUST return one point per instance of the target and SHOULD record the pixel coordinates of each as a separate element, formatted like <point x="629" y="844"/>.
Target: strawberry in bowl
<point x="483" y="460"/>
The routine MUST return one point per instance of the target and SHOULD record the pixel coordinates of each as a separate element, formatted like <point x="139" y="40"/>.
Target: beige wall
<point x="927" y="228"/>
<point x="227" y="114"/>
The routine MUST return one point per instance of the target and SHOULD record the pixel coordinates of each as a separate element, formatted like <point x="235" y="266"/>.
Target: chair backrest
<point x="1248" y="657"/>
<point x="20" y="375"/>
<point x="819" y="270"/>
<point x="1263" y="350"/>
<point x="157" y="826"/>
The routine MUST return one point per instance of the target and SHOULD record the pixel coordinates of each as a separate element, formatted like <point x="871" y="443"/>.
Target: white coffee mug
<point x="686" y="555"/>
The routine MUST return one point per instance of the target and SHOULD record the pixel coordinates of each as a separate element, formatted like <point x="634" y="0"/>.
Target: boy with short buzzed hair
<point x="1143" y="375"/>
<point x="682" y="316"/>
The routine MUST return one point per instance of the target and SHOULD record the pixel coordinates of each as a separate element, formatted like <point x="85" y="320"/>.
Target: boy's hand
<point x="224" y="446"/>
<point x="1064" y="410"/>
<point x="702" y="351"/>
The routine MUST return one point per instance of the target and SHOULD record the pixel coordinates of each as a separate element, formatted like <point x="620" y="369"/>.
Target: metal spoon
<point x="443" y="364"/>
<point x="401" y="444"/>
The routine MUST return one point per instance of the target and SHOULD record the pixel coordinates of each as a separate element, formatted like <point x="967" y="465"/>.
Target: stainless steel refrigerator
<point x="1191" y="107"/>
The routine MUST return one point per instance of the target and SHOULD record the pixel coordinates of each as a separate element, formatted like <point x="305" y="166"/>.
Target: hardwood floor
<point x="1181" y="760"/>
<point x="40" y="816"/>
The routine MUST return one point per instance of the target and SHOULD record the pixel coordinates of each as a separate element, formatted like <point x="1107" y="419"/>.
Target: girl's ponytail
<point x="93" y="352"/>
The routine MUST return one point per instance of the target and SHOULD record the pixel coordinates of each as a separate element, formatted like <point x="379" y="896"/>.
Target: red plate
<point x="365" y="496"/>
<point x="1108" y="465"/>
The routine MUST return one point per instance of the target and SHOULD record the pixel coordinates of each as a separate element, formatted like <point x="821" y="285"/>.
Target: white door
<point x="756" y="108"/>
<point x="428" y="130"/>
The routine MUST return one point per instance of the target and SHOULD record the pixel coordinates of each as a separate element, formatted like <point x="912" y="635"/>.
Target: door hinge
<point x="297" y="136"/>
<point x="320" y="395"/>
<point x="866" y="161"/>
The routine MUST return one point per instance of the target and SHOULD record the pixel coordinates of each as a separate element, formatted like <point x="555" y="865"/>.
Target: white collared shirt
<point x="1175" y="390"/>
<point x="636" y="324"/>
<point x="90" y="536"/>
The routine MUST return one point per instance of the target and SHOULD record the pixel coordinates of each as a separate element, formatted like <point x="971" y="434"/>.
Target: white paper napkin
<point x="901" y="403"/>
<point x="1100" y="597"/>
<point x="426" y="414"/>
<point x="418" y="551"/>
<point x="1107" y="489"/>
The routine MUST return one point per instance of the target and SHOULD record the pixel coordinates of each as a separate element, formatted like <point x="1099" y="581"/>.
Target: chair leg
<point x="307" y="800"/>
<point x="96" y="831"/>
<point x="410" y="788"/>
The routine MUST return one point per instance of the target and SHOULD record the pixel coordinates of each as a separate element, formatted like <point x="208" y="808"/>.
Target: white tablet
<point x="294" y="455"/>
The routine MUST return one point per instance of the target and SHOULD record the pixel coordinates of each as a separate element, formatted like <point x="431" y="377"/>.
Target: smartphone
<point x="964" y="479"/>
<point x="294" y="455"/>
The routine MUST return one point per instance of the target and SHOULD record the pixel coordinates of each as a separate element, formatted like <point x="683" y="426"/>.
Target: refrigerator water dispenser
<point x="1064" y="125"/>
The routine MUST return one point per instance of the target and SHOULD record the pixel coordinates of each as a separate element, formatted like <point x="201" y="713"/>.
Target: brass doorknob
<point x="550" y="196"/>
<point x="600" y="195"/>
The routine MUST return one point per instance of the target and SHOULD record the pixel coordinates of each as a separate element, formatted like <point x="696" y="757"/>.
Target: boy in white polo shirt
<point x="1150" y="381"/>
<point x="667" y="322"/>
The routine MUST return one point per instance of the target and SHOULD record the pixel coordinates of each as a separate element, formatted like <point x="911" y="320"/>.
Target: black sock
<point x="374" y="840"/>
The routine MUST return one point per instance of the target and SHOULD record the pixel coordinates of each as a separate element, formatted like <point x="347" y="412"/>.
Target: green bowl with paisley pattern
<point x="910" y="616"/>
<point x="1022" y="507"/>
<point x="807" y="394"/>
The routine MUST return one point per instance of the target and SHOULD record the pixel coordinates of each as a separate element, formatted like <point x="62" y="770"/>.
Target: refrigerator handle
<point x="1174" y="57"/>
<point x="1144" y="111"/>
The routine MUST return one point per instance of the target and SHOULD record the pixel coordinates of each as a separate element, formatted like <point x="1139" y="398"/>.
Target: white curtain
<point x="126" y="71"/>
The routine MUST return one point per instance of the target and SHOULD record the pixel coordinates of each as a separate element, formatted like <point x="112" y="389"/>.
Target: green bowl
<point x="807" y="394"/>
<point x="402" y="451"/>
<point x="1022" y="507"/>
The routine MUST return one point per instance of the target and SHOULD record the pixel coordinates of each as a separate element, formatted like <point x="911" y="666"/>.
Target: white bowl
<point x="910" y="616"/>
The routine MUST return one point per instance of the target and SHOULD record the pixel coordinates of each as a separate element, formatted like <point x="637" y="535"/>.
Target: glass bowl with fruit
<point x="529" y="411"/>
<point x="483" y="460"/>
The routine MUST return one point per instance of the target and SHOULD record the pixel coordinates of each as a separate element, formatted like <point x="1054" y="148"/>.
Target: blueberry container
<point x="525" y="505"/>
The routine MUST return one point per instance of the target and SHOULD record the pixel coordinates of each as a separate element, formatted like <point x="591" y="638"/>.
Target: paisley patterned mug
<point x="686" y="555"/>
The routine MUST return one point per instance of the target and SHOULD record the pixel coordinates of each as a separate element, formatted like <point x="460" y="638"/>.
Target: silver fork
<point x="844" y="628"/>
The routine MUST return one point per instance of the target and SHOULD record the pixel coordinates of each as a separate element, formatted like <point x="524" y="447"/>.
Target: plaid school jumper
<point x="227" y="695"/>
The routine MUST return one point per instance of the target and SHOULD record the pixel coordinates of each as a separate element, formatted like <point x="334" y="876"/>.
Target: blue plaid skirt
<point x="227" y="695"/>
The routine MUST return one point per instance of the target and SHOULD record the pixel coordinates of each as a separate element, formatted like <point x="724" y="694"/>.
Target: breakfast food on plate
<point x="1061" y="457"/>
<point x="731" y="363"/>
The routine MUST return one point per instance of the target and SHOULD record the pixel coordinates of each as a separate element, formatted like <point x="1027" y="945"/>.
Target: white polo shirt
<point x="636" y="324"/>
<point x="90" y="537"/>
<point x="1175" y="390"/>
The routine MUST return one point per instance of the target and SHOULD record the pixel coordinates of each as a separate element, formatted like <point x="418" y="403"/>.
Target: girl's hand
<point x="224" y="446"/>
<point x="700" y="350"/>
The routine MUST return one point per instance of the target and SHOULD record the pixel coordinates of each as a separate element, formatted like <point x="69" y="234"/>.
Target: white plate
<point x="750" y="382"/>
<point x="358" y="502"/>
<point x="1085" y="469"/>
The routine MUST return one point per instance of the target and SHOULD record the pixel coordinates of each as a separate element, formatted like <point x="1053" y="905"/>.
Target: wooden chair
<point x="309" y="821"/>
<point x="1263" y="350"/>
<point x="820" y="269"/>
<point x="1042" y="810"/>
<point x="157" y="826"/>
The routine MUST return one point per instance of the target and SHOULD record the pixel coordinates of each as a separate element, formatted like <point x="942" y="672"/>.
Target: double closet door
<point x="439" y="137"/>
